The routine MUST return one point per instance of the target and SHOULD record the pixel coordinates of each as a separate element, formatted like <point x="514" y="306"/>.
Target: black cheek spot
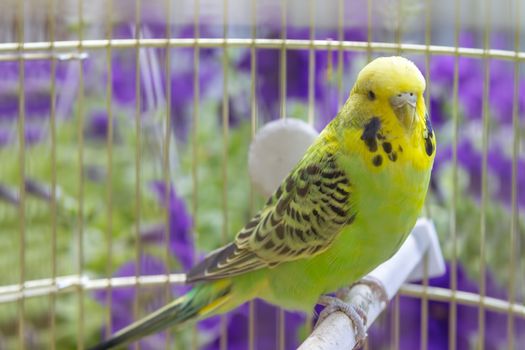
<point x="428" y="125"/>
<point x="372" y="145"/>
<point x="392" y="156"/>
<point x="370" y="132"/>
<point x="429" y="147"/>
<point x="377" y="160"/>
<point x="387" y="147"/>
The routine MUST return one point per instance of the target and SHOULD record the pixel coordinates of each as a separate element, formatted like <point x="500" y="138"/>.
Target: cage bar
<point x="291" y="44"/>
<point x="514" y="223"/>
<point x="138" y="171"/>
<point x="80" y="136"/>
<point x="254" y="124"/>
<point x="453" y="207"/>
<point x="22" y="172"/>
<point x="109" y="165"/>
<point x="427" y="210"/>
<point x="311" y="63"/>
<point x="225" y="134"/>
<point x="53" y="203"/>
<point x="340" y="39"/>
<point x="484" y="179"/>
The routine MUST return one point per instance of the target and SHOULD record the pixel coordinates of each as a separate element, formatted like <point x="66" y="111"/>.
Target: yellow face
<point x="395" y="82"/>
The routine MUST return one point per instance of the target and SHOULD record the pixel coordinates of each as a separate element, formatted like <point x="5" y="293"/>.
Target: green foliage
<point x="212" y="220"/>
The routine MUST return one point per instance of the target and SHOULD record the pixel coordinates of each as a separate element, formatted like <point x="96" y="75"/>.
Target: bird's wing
<point x="301" y="219"/>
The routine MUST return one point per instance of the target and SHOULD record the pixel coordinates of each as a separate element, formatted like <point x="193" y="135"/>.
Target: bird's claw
<point x="356" y="315"/>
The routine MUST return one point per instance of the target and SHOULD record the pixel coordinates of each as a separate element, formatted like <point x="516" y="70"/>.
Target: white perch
<point x="337" y="331"/>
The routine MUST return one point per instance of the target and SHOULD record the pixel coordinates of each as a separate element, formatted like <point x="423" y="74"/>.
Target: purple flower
<point x="180" y="225"/>
<point x="5" y="137"/>
<point x="33" y="134"/>
<point x="471" y="77"/>
<point x="438" y="319"/>
<point x="122" y="299"/>
<point x="499" y="166"/>
<point x="38" y="189"/>
<point x="37" y="88"/>
<point x="97" y="126"/>
<point x="436" y="111"/>
<point x="8" y="102"/>
<point x="8" y="195"/>
<point x="238" y="110"/>
<point x="182" y="94"/>
<point x="297" y="68"/>
<point x="327" y="107"/>
<point x="153" y="80"/>
<point x="123" y="79"/>
<point x="266" y="328"/>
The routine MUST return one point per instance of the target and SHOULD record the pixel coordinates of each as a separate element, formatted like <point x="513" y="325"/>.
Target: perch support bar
<point x="373" y="292"/>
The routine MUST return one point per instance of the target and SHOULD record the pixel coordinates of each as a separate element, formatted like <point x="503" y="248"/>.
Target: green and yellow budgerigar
<point x="346" y="207"/>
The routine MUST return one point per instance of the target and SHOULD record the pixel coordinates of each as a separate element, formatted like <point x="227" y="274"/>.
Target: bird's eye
<point x="371" y="95"/>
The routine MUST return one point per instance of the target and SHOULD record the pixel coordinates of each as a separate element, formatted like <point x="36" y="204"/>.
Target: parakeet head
<point x="394" y="81"/>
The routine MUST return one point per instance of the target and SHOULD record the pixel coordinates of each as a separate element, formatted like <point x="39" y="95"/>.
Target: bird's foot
<point x="356" y="315"/>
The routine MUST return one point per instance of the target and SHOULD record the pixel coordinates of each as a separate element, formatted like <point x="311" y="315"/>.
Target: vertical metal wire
<point x="194" y="142"/>
<point x="428" y="39"/>
<point x="282" y="62"/>
<point x="369" y="29"/>
<point x="397" y="37"/>
<point x="311" y="107"/>
<point x="166" y="163"/>
<point x="514" y="223"/>
<point x="424" y="306"/>
<point x="281" y="341"/>
<point x="53" y="204"/>
<point x="109" y="179"/>
<point x="452" y="320"/>
<point x="195" y="124"/>
<point x="138" y="127"/>
<point x="424" y="297"/>
<point x="80" y="135"/>
<point x="22" y="170"/>
<point x="395" y="317"/>
<point x="253" y="108"/>
<point x="225" y="134"/>
<point x="311" y="64"/>
<point x="398" y="29"/>
<point x="484" y="174"/>
<point x="340" y="38"/>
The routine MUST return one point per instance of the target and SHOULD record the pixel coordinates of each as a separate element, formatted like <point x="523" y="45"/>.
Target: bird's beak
<point x="404" y="106"/>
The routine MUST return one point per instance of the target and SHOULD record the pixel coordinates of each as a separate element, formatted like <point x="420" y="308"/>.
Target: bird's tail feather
<point x="202" y="301"/>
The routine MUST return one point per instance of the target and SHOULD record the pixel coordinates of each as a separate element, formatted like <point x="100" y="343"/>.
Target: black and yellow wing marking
<point x="301" y="219"/>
